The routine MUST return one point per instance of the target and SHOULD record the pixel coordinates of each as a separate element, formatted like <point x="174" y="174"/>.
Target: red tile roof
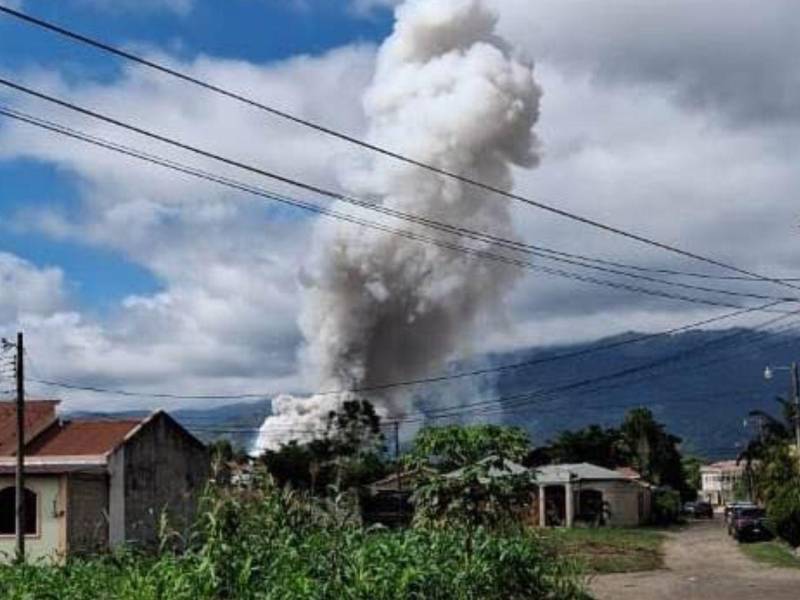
<point x="39" y="415"/>
<point x="81" y="438"/>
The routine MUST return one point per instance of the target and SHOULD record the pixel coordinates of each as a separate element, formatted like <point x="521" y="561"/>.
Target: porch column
<point x="542" y="511"/>
<point x="569" y="510"/>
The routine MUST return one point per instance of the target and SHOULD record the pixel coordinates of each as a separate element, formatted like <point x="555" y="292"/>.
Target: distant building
<point x="388" y="501"/>
<point x="92" y="485"/>
<point x="718" y="481"/>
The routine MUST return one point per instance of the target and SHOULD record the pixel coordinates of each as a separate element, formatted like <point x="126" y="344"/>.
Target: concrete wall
<point x="165" y="470"/>
<point x="116" y="498"/>
<point x="623" y="501"/>
<point x="87" y="513"/>
<point x="49" y="543"/>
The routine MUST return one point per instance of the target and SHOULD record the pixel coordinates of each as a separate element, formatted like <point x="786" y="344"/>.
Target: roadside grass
<point x="609" y="549"/>
<point x="773" y="553"/>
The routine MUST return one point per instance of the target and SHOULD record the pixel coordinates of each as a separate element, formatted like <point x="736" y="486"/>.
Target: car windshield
<point x="751" y="513"/>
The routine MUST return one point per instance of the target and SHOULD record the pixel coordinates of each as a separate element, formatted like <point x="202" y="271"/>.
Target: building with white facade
<point x="719" y="481"/>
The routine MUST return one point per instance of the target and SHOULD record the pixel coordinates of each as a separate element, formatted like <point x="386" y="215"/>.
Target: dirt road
<point x="702" y="562"/>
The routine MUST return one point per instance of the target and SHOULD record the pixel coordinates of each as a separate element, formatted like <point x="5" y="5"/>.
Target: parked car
<point x="750" y="524"/>
<point x="703" y="510"/>
<point x="731" y="508"/>
<point x="698" y="510"/>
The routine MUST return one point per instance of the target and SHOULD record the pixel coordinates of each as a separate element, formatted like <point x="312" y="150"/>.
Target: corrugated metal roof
<point x="497" y="468"/>
<point x="577" y="471"/>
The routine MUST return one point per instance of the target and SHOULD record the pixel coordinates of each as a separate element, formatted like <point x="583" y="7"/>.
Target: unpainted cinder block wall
<point x="87" y="514"/>
<point x="165" y="472"/>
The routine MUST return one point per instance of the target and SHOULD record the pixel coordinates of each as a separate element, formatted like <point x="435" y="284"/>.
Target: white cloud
<point x="645" y="124"/>
<point x="180" y="7"/>
<point x="367" y="7"/>
<point x="226" y="318"/>
<point x="28" y="290"/>
<point x="737" y="56"/>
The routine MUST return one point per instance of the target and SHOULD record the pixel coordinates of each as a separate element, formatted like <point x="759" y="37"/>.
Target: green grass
<point x="773" y="553"/>
<point x="611" y="550"/>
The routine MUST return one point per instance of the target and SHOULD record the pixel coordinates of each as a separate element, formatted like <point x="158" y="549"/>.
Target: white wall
<point x="50" y="540"/>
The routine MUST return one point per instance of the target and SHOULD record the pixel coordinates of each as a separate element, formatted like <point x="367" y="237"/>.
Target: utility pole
<point x="397" y="454"/>
<point x="399" y="472"/>
<point x="796" y="399"/>
<point x="20" y="472"/>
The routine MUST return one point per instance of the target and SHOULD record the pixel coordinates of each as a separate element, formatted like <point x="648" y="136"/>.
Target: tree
<point x="639" y="442"/>
<point x="354" y="429"/>
<point x="487" y="493"/>
<point x="691" y="473"/>
<point x="765" y="457"/>
<point x="468" y="475"/>
<point x="771" y="465"/>
<point x="346" y="455"/>
<point x="591" y="444"/>
<point x="454" y="446"/>
<point x="651" y="450"/>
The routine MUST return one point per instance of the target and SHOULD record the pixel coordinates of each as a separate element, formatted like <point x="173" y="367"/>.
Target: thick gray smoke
<point x="380" y="308"/>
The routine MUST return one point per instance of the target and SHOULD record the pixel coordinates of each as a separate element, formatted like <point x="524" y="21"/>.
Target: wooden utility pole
<point x="796" y="399"/>
<point x="397" y="455"/>
<point x="398" y="471"/>
<point x="20" y="472"/>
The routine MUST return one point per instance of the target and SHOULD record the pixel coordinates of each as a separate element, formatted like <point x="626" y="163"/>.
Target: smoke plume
<point x="380" y="308"/>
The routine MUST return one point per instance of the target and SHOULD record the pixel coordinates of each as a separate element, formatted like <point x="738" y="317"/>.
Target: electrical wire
<point x="523" y="398"/>
<point x="84" y="39"/>
<point x="60" y="129"/>
<point x="372" y="206"/>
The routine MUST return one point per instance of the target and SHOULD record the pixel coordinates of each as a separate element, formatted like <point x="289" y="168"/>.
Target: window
<point x="8" y="511"/>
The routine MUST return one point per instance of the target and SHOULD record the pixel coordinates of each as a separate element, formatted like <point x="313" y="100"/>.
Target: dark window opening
<point x="8" y="511"/>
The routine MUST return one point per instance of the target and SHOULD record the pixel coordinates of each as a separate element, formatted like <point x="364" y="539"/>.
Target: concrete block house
<point x="592" y="494"/>
<point x="92" y="485"/>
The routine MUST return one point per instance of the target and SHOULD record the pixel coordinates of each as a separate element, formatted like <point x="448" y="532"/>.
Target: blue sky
<point x="257" y="31"/>
<point x="668" y="118"/>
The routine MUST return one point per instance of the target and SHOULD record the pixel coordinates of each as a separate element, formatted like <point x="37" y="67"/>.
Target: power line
<point x="521" y="399"/>
<point x="411" y="382"/>
<point x="645" y="377"/>
<point x="447" y="228"/>
<point x="503" y="403"/>
<point x="526" y="399"/>
<point x="14" y="114"/>
<point x="702" y="398"/>
<point x="699" y="399"/>
<point x="60" y="129"/>
<point x="84" y="39"/>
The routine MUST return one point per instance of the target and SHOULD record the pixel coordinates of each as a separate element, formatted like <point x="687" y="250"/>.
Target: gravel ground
<point x="702" y="562"/>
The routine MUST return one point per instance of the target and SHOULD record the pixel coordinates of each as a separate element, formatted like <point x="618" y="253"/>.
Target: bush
<point x="666" y="506"/>
<point x="783" y="511"/>
<point x="271" y="544"/>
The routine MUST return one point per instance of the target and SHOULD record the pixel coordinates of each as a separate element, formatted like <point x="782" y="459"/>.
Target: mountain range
<point x="700" y="384"/>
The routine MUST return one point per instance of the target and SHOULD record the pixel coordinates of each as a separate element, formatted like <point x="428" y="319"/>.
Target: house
<point x="563" y="494"/>
<point x="593" y="494"/>
<point x="92" y="485"/>
<point x="719" y="480"/>
<point x="388" y="501"/>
